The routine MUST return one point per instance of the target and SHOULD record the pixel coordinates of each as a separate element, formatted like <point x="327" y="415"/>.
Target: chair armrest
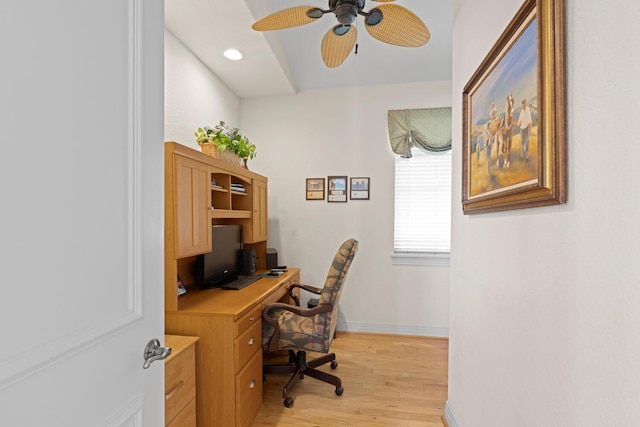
<point x="304" y="312"/>
<point x="307" y="288"/>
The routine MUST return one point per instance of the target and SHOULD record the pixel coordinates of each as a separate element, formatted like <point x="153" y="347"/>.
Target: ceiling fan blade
<point x="399" y="27"/>
<point x="336" y="48"/>
<point x="286" y="18"/>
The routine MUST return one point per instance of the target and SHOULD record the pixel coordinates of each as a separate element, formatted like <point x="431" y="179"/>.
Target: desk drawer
<point x="247" y="344"/>
<point x="282" y="294"/>
<point x="254" y="316"/>
<point x="279" y="295"/>
<point x="186" y="417"/>
<point x="179" y="382"/>
<point x="249" y="391"/>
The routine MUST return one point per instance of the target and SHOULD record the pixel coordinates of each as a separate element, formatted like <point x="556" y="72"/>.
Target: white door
<point x="81" y="212"/>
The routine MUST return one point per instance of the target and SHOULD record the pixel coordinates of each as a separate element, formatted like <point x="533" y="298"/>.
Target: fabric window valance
<point x="426" y="128"/>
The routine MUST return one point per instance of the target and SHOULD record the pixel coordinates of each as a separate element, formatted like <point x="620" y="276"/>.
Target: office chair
<point x="290" y="327"/>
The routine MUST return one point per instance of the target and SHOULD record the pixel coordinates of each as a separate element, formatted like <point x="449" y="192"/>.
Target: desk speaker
<point x="272" y="258"/>
<point x="248" y="262"/>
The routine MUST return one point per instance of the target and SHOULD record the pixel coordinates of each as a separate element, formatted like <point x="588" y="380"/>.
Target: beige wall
<point x="344" y="132"/>
<point x="545" y="302"/>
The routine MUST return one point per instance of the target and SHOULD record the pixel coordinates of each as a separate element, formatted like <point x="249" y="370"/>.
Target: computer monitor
<point x="224" y="262"/>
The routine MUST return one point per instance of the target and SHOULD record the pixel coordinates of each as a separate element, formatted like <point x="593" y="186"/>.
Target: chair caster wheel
<point x="288" y="402"/>
<point x="339" y="391"/>
<point x="334" y="364"/>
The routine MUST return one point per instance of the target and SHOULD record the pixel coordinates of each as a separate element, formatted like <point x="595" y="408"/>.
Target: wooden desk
<point x="180" y="382"/>
<point x="229" y="352"/>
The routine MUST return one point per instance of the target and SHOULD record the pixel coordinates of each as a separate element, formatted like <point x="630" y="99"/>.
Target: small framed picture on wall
<point x="360" y="188"/>
<point x="337" y="189"/>
<point x="315" y="188"/>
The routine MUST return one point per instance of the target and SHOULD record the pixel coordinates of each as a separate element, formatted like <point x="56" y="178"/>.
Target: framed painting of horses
<point x="514" y="138"/>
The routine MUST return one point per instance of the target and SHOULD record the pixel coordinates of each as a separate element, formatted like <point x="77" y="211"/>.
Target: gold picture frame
<point x="315" y="188"/>
<point x="513" y="158"/>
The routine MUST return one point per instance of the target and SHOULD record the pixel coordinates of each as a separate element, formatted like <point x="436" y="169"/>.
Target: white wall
<point x="344" y="132"/>
<point x="194" y="97"/>
<point x="545" y="302"/>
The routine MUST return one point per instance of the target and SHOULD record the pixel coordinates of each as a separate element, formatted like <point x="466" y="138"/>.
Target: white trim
<point x="448" y="415"/>
<point x="422" y="331"/>
<point x="440" y="259"/>
<point x="135" y="156"/>
<point x="129" y="415"/>
<point x="31" y="362"/>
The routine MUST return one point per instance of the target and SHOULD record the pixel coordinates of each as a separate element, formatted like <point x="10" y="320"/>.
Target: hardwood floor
<point x="388" y="380"/>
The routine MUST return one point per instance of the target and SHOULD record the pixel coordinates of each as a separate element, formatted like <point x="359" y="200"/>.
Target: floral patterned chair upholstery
<point x="289" y="327"/>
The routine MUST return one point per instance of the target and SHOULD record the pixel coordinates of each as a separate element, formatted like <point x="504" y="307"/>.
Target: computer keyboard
<point x="241" y="282"/>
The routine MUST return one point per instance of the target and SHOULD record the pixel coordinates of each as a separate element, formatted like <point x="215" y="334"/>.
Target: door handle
<point x="153" y="351"/>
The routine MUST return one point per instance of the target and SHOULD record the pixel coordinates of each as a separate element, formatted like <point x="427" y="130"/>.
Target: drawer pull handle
<point x="252" y="318"/>
<point x="252" y="384"/>
<point x="252" y="341"/>
<point x="173" y="390"/>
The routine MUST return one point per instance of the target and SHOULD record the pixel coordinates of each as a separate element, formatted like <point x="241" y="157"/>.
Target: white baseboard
<point x="448" y="415"/>
<point x="424" y="331"/>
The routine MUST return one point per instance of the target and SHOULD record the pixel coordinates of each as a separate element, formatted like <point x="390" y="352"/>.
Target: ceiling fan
<point x="389" y="23"/>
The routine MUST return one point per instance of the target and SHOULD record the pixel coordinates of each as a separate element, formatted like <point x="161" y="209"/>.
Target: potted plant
<point x="224" y="137"/>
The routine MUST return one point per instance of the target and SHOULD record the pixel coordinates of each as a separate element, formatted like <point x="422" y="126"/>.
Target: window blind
<point x="422" y="222"/>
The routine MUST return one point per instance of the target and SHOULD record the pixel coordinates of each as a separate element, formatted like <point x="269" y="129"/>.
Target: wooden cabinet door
<point x="260" y="212"/>
<point x="192" y="207"/>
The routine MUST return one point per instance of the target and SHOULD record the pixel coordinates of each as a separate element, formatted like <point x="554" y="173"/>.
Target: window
<point x="422" y="222"/>
<point x="422" y="226"/>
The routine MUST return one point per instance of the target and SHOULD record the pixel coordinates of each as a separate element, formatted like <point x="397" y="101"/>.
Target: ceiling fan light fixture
<point x="346" y="12"/>
<point x="233" y="54"/>
<point x="389" y="23"/>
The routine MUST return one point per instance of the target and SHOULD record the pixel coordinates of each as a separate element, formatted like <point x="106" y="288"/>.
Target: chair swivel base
<point x="299" y="367"/>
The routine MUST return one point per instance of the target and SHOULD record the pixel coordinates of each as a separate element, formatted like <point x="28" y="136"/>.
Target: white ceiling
<point x="288" y="61"/>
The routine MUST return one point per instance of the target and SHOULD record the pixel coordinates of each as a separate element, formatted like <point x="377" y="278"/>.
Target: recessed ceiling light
<point x="233" y="54"/>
